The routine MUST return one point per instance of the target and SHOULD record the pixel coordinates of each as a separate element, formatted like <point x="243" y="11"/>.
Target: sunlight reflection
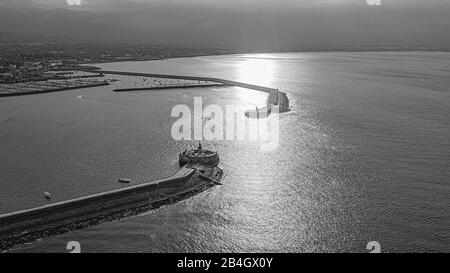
<point x="256" y="71"/>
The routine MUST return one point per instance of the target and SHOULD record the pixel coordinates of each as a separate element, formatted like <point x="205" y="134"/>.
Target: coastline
<point x="270" y="52"/>
<point x="93" y="66"/>
<point x="276" y="98"/>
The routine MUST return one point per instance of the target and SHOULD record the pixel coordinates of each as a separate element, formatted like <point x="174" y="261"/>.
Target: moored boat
<point x="125" y="180"/>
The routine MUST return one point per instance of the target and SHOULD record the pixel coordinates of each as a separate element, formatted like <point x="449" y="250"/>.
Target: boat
<point x="124" y="180"/>
<point x="47" y="195"/>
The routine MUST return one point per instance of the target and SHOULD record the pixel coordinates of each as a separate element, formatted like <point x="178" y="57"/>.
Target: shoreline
<point x="276" y="98"/>
<point x="92" y="66"/>
<point x="271" y="52"/>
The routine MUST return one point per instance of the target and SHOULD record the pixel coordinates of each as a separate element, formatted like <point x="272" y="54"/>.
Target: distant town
<point x="31" y="62"/>
<point x="39" y="67"/>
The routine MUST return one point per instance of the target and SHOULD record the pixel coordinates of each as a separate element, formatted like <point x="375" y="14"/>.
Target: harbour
<point x="276" y="98"/>
<point x="359" y="156"/>
<point x="246" y="128"/>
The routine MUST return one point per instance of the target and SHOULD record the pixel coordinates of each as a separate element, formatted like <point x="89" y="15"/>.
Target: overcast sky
<point x="311" y="23"/>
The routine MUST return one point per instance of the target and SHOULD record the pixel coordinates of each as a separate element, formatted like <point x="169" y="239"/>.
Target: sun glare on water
<point x="256" y="71"/>
<point x="259" y="71"/>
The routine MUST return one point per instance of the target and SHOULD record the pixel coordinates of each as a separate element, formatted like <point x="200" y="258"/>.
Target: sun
<point x="74" y="2"/>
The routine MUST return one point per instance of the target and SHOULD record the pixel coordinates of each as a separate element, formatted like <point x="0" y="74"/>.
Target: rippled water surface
<point x="364" y="155"/>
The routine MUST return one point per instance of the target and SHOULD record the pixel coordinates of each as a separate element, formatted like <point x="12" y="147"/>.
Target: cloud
<point x="307" y="23"/>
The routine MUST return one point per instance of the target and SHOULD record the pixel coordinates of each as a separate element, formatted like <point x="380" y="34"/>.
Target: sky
<point x="274" y="23"/>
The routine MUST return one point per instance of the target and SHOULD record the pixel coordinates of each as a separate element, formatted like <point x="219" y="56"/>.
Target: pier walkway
<point x="181" y="77"/>
<point x="276" y="98"/>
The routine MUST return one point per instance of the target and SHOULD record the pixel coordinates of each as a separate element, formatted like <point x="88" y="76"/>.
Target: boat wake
<point x="107" y="103"/>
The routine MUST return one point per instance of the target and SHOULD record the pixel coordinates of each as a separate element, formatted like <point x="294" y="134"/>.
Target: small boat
<point x="125" y="180"/>
<point x="47" y="195"/>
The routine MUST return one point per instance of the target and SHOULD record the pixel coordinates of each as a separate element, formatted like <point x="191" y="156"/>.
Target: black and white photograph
<point x="246" y="127"/>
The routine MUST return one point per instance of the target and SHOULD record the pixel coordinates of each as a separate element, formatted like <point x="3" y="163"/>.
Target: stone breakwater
<point x="188" y="78"/>
<point x="181" y="86"/>
<point x="276" y="98"/>
<point x="28" y="225"/>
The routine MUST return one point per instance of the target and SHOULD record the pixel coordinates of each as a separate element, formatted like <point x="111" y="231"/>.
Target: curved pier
<point x="276" y="98"/>
<point x="169" y="87"/>
<point x="181" y="77"/>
